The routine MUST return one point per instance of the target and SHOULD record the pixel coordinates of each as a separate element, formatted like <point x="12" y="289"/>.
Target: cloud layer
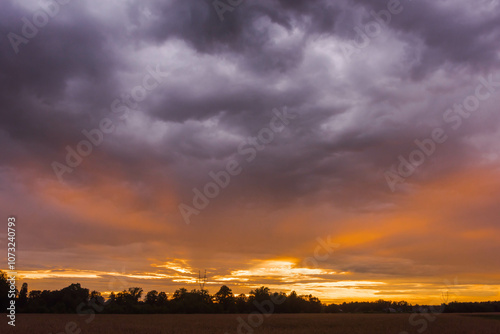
<point x="183" y="93"/>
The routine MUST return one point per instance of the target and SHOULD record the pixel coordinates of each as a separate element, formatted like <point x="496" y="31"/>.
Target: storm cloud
<point x="181" y="92"/>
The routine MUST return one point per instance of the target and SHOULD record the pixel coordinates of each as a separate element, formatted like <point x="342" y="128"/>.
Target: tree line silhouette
<point x="76" y="299"/>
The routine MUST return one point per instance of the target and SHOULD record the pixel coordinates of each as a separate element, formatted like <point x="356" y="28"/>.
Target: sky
<point x="345" y="149"/>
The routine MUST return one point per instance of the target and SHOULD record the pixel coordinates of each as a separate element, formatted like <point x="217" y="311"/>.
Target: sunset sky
<point x="356" y="143"/>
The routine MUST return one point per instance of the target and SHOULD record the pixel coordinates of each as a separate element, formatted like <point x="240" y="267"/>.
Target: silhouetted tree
<point x="196" y="301"/>
<point x="314" y="305"/>
<point x="179" y="294"/>
<point x="34" y="295"/>
<point x="112" y="297"/>
<point x="136" y="293"/>
<point x="72" y="296"/>
<point x="58" y="301"/>
<point x="257" y="296"/>
<point x="127" y="301"/>
<point x="68" y="299"/>
<point x="225" y="298"/>
<point x="292" y="303"/>
<point x="4" y="290"/>
<point x="152" y="297"/>
<point x="23" y="296"/>
<point x="260" y="294"/>
<point x="96" y="298"/>
<point x="241" y="303"/>
<point x="162" y="299"/>
<point x="35" y="303"/>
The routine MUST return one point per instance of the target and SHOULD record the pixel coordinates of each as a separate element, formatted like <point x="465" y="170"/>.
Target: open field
<point x="276" y="324"/>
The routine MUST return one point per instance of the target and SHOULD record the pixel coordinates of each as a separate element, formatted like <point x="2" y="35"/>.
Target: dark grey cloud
<point x="457" y="33"/>
<point x="59" y="81"/>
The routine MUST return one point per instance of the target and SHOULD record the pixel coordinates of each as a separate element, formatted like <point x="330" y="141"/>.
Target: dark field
<point x="278" y="323"/>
